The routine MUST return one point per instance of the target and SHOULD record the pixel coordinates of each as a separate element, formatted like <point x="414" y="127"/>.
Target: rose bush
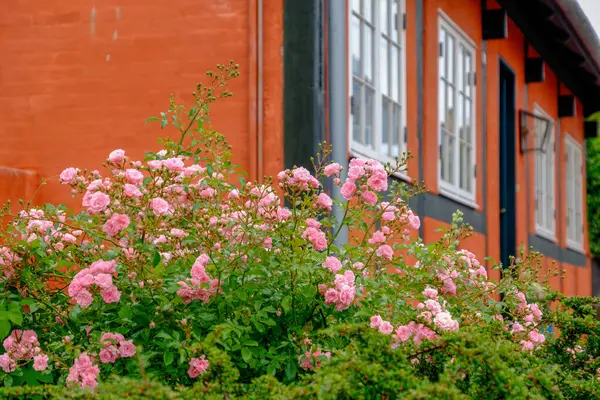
<point x="174" y="272"/>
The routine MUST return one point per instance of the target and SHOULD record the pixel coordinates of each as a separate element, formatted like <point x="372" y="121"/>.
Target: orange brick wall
<point x="77" y="82"/>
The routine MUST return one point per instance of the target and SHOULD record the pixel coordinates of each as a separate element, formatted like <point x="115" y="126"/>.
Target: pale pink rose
<point x="376" y="321"/>
<point x="133" y="176"/>
<point x="324" y="201"/>
<point x="369" y="198"/>
<point x="283" y="214"/>
<point x="444" y="321"/>
<point x="7" y="364"/>
<point x="40" y="362"/>
<point x="348" y="189"/>
<point x="198" y="366"/>
<point x="388" y="216"/>
<point x="159" y="206"/>
<point x="127" y="349"/>
<point x="111" y="295"/>
<point x="403" y="333"/>
<point x="173" y="164"/>
<point x="98" y="202"/>
<point x="68" y="176"/>
<point x="132" y="191"/>
<point x="431" y="293"/>
<point x="117" y="156"/>
<point x="155" y="164"/>
<point x="116" y="224"/>
<point x="332" y="169"/>
<point x="67" y="237"/>
<point x="378" y="182"/>
<point x="386" y="328"/>
<point x="355" y="173"/>
<point x="313" y="223"/>
<point x="332" y="264"/>
<point x="347" y="295"/>
<point x="527" y="345"/>
<point x="107" y="356"/>
<point x="349" y="275"/>
<point x="385" y="251"/>
<point x="103" y="280"/>
<point x="331" y="296"/>
<point x="84" y="298"/>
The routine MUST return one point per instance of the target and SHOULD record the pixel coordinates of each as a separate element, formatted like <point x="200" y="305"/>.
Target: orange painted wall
<point x="77" y="82"/>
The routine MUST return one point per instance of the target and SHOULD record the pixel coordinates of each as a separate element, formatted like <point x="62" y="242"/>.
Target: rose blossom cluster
<point x="22" y="346"/>
<point x="315" y="235"/>
<point x="532" y="315"/>
<point x="8" y="259"/>
<point x="299" y="178"/>
<point x="84" y="372"/>
<point x="115" y="347"/>
<point x="200" y="286"/>
<point x="311" y="360"/>
<point x="343" y="291"/>
<point x="433" y="312"/>
<point x="39" y="226"/>
<point x="370" y="176"/>
<point x="419" y="332"/>
<point x="198" y="366"/>
<point x="100" y="275"/>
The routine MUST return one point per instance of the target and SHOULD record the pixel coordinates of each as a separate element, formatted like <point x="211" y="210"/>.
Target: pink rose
<point x="386" y="328"/>
<point x="127" y="349"/>
<point x="116" y="224"/>
<point x="378" y="182"/>
<point x="132" y="191"/>
<point x="7" y="364"/>
<point x="369" y="198"/>
<point x="103" y="280"/>
<point x="111" y="295"/>
<point x="324" y="201"/>
<point x="133" y="176"/>
<point x="331" y="296"/>
<point x="98" y="202"/>
<point x="107" y="356"/>
<point x="414" y="222"/>
<point x="68" y="176"/>
<point x="159" y="206"/>
<point x="385" y="251"/>
<point x="332" y="264"/>
<point x="84" y="298"/>
<point x="376" y="321"/>
<point x="116" y="156"/>
<point x="347" y="295"/>
<point x="198" y="366"/>
<point x="332" y="169"/>
<point x="40" y="362"/>
<point x="173" y="164"/>
<point x="403" y="333"/>
<point x="348" y="190"/>
<point x="431" y="293"/>
<point x="155" y="164"/>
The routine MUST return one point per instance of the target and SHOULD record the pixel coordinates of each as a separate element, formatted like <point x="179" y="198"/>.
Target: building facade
<point x="489" y="96"/>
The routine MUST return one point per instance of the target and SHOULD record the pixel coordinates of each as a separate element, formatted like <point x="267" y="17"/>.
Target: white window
<point x="574" y="166"/>
<point x="544" y="177"/>
<point x="378" y="79"/>
<point x="456" y="113"/>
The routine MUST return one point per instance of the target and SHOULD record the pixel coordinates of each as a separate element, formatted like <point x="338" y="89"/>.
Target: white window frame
<point x="574" y="218"/>
<point x="453" y="189"/>
<point x="356" y="148"/>
<point x="544" y="164"/>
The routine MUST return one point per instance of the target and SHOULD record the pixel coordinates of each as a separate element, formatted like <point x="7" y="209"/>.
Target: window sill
<point x="461" y="200"/>
<point x="551" y="236"/>
<point x="576" y="247"/>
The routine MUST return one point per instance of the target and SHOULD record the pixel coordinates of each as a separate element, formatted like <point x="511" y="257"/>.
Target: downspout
<point x="420" y="24"/>
<point x="259" y="94"/>
<point x="338" y="98"/>
<point x="558" y="211"/>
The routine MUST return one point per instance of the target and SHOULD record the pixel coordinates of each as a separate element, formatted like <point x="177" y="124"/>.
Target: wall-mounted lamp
<point x="528" y="119"/>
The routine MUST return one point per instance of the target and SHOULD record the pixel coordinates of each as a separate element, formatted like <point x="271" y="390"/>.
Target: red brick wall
<point x="78" y="81"/>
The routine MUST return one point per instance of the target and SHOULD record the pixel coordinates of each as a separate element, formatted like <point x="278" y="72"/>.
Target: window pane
<point x="442" y="104"/>
<point x="369" y="111"/>
<point x="384" y="16"/>
<point x="468" y="121"/>
<point x="395" y="20"/>
<point x="368" y="55"/>
<point x="450" y="112"/>
<point x="451" y="159"/>
<point x="356" y="5"/>
<point x="368" y="9"/>
<point x="397" y="132"/>
<point x="442" y="55"/>
<point x="355" y="45"/>
<point x="395" y="73"/>
<point x="355" y="111"/>
<point x="385" y="126"/>
<point x="549" y="212"/>
<point x="468" y="70"/>
<point x="471" y="165"/>
<point x="449" y="52"/>
<point x="463" y="165"/>
<point x="383" y="66"/>
<point x="460" y="70"/>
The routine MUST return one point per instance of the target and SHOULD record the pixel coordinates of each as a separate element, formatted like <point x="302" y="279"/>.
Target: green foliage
<point x="593" y="193"/>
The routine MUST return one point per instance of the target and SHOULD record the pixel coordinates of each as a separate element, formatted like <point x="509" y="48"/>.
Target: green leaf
<point x="125" y="312"/>
<point x="8" y="381"/>
<point x="286" y="303"/>
<point x="251" y="343"/>
<point x="290" y="371"/>
<point x="156" y="258"/>
<point x="168" y="358"/>
<point x="246" y="355"/>
<point x="151" y="119"/>
<point x="164" y="335"/>
<point x="4" y="328"/>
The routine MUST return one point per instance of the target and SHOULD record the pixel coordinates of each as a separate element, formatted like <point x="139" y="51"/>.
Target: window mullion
<point x="376" y="79"/>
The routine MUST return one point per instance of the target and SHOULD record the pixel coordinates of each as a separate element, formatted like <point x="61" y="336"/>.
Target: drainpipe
<point x="338" y="97"/>
<point x="260" y="93"/>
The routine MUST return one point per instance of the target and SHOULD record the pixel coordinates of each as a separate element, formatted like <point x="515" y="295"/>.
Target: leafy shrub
<point x="174" y="282"/>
